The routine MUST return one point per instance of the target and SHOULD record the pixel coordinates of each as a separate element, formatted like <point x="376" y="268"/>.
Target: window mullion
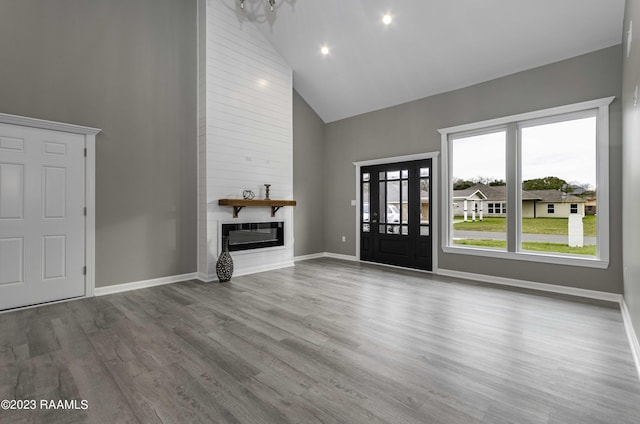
<point x="514" y="194"/>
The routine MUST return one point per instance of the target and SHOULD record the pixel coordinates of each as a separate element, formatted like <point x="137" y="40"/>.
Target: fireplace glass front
<point x="254" y="235"/>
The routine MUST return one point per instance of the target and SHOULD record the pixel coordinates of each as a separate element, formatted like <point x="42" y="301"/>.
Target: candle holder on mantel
<point x="266" y="191"/>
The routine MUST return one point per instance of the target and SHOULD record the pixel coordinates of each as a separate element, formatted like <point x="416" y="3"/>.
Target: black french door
<point x="395" y="214"/>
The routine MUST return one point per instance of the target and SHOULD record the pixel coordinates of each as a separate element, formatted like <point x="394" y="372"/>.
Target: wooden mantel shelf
<point x="238" y="204"/>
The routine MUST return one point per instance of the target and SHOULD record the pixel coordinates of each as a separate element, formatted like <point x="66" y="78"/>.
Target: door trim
<point x="434" y="197"/>
<point x="89" y="134"/>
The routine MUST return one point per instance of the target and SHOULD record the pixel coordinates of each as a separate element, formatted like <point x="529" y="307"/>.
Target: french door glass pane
<point x="382" y="198"/>
<point x="479" y="175"/>
<point x="393" y="201"/>
<point x="405" y="201"/>
<point x="558" y="181"/>
<point x="365" y="202"/>
<point x="424" y="197"/>
<point x="393" y="175"/>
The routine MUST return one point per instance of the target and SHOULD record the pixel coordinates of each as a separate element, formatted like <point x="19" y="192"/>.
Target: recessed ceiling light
<point x="386" y="19"/>
<point x="324" y="50"/>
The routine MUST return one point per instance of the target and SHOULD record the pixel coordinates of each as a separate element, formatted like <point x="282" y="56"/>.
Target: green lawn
<point x="534" y="246"/>
<point x="556" y="226"/>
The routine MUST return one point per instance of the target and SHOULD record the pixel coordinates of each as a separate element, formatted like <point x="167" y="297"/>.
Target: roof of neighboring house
<point x="489" y="193"/>
<point x="500" y="193"/>
<point x="557" y="196"/>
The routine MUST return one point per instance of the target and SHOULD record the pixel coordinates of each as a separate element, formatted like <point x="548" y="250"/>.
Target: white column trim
<point x="631" y="335"/>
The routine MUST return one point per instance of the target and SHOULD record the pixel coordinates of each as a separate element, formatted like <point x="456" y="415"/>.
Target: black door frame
<point x="435" y="200"/>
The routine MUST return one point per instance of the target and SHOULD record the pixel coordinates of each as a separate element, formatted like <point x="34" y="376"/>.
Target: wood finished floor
<point x="323" y="342"/>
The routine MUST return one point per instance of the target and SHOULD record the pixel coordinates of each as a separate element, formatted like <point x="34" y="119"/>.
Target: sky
<point x="565" y="150"/>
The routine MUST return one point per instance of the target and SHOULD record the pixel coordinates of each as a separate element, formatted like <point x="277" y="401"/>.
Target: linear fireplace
<point x="254" y="235"/>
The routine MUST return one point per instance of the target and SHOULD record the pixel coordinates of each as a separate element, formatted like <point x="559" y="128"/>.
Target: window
<point x="545" y="164"/>
<point x="496" y="208"/>
<point x="558" y="165"/>
<point x="477" y="154"/>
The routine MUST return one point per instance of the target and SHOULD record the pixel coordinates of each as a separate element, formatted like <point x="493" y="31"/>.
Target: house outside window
<point x="541" y="166"/>
<point x="467" y="196"/>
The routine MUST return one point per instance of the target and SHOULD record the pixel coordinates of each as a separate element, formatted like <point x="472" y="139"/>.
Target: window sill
<point x="530" y="257"/>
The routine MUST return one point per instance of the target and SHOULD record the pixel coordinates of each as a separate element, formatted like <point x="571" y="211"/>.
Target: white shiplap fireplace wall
<point x="245" y="134"/>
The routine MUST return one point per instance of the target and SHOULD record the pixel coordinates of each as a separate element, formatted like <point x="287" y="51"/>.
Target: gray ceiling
<point x="432" y="46"/>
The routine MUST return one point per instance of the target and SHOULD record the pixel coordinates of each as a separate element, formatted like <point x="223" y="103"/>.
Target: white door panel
<point x="54" y="192"/>
<point x="11" y="260"/>
<point x="11" y="144"/>
<point x="11" y="191"/>
<point x="42" y="233"/>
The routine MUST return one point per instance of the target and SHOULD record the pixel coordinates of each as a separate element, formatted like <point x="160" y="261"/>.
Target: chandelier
<point x="272" y="4"/>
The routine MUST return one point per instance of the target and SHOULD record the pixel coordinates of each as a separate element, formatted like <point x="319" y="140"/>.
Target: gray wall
<point x="128" y="67"/>
<point x="308" y="178"/>
<point x="631" y="169"/>
<point x="412" y="128"/>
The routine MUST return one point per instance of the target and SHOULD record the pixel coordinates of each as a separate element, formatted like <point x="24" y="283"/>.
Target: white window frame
<point x="513" y="124"/>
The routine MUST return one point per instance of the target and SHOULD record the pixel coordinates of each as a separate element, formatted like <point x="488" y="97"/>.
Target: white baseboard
<point x="325" y="255"/>
<point x="631" y="335"/>
<point x="311" y="256"/>
<point x="551" y="288"/>
<point x="343" y="257"/>
<point x="118" y="288"/>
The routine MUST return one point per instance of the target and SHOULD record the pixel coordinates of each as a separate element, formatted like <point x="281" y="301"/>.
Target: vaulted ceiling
<point x="430" y="47"/>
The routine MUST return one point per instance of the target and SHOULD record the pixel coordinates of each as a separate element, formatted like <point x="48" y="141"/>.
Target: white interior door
<point x="42" y="222"/>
